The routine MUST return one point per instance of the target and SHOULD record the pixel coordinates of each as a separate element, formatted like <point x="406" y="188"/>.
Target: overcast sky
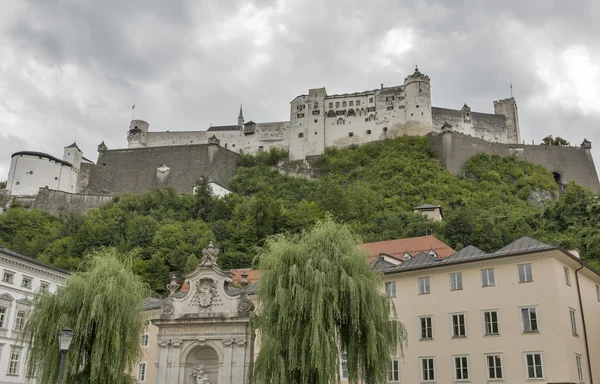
<point x="70" y="70"/>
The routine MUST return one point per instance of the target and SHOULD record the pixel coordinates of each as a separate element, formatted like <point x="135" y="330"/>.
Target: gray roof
<point x="74" y="145"/>
<point x="224" y="128"/>
<point x="426" y="206"/>
<point x="30" y="260"/>
<point x="379" y="264"/>
<point x="471" y="253"/>
<point x="42" y="154"/>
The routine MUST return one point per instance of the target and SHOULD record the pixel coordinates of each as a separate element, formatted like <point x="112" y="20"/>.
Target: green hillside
<point x="372" y="187"/>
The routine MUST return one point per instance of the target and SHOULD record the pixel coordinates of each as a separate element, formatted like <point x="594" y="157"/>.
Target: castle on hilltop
<point x="318" y="120"/>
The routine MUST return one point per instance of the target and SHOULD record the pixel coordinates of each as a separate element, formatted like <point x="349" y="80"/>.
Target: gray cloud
<point x="70" y="70"/>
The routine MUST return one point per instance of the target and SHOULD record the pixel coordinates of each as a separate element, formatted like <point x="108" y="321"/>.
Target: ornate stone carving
<point x="162" y="174"/>
<point x="168" y="309"/>
<point x="172" y="286"/>
<point x="171" y="342"/>
<point x="209" y="254"/>
<point x="245" y="305"/>
<point x="199" y="375"/>
<point x="228" y="342"/>
<point x="206" y="294"/>
<point x="241" y="342"/>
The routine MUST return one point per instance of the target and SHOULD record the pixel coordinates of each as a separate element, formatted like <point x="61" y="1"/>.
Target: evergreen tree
<point x="101" y="303"/>
<point x="320" y="298"/>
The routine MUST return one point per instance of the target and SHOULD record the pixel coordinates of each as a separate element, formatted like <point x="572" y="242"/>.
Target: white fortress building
<point x="318" y="120"/>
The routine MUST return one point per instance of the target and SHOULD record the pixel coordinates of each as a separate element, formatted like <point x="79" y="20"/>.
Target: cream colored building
<point x="529" y="312"/>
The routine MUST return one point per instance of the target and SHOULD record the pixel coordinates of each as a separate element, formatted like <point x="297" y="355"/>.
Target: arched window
<point x="331" y="113"/>
<point x="351" y="113"/>
<point x="341" y="121"/>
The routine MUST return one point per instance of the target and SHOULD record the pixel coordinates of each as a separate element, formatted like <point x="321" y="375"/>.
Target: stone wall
<point x="142" y="169"/>
<point x="57" y="202"/>
<point x="568" y="163"/>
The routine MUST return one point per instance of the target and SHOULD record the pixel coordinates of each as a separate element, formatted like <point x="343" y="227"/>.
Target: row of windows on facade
<point x="461" y="367"/>
<point x="487" y="280"/>
<point x="19" y="319"/>
<point x="26" y="282"/>
<point x="350" y="134"/>
<point x="491" y="323"/>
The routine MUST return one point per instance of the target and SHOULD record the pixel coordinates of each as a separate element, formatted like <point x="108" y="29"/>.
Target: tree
<point x="558" y="141"/>
<point x="2" y="184"/>
<point x="102" y="304"/>
<point x="319" y="298"/>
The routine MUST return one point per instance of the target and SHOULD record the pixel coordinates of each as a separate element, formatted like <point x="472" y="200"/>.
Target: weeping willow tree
<point x="319" y="298"/>
<point x="102" y="304"/>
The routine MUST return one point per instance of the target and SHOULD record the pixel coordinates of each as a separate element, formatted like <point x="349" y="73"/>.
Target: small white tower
<point x="417" y="104"/>
<point x="138" y="134"/>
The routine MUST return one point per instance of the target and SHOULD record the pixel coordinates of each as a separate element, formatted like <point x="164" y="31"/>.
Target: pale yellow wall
<point x="149" y="352"/>
<point x="548" y="292"/>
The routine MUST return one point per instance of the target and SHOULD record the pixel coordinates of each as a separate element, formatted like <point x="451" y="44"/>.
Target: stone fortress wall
<point x="318" y="120"/>
<point x="566" y="163"/>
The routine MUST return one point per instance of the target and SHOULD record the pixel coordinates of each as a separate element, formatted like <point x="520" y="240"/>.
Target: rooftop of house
<point x="412" y="245"/>
<point x="31" y="261"/>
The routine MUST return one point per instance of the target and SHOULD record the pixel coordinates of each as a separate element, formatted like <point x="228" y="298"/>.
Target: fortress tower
<point x="417" y="104"/>
<point x="508" y="108"/>
<point x="137" y="136"/>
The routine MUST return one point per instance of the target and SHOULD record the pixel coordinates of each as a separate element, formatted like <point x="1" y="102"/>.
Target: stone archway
<point x="202" y="361"/>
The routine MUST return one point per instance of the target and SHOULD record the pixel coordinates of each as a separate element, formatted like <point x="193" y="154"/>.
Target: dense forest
<point x="373" y="188"/>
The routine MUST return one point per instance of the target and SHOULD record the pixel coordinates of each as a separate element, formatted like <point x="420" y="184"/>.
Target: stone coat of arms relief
<point x="206" y="294"/>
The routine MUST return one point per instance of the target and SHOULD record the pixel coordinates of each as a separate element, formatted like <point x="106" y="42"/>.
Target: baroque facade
<point x="319" y="120"/>
<point x="204" y="335"/>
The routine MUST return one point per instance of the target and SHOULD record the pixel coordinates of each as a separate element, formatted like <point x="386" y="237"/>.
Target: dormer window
<point x="406" y="256"/>
<point x="432" y="253"/>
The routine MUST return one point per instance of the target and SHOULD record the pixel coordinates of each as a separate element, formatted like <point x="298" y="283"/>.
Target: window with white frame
<point x="426" y="327"/>
<point x="424" y="287"/>
<point x="44" y="286"/>
<point x="20" y="320"/>
<point x="344" y="366"/>
<point x="145" y="339"/>
<point x="390" y="288"/>
<point x="494" y="367"/>
<point x="529" y="319"/>
<point x="567" y="276"/>
<point x="490" y="321"/>
<point x="461" y="368"/>
<point x="15" y="359"/>
<point x="26" y="282"/>
<point x="573" y="318"/>
<point x="394" y="374"/>
<point x="579" y="368"/>
<point x="459" y="326"/>
<point x="525" y="275"/>
<point x="8" y="277"/>
<point x="427" y="369"/>
<point x="535" y="368"/>
<point x="456" y="281"/>
<point x="3" y="316"/>
<point x="141" y="372"/>
<point x="487" y="277"/>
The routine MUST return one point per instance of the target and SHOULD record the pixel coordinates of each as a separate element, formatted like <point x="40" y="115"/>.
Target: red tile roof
<point x="412" y="245"/>
<point x="253" y="275"/>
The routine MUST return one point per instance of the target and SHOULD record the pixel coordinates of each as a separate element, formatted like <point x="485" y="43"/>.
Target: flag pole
<point x="132" y="111"/>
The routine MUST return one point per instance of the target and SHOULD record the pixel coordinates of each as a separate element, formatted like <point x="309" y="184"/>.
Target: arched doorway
<point x="202" y="366"/>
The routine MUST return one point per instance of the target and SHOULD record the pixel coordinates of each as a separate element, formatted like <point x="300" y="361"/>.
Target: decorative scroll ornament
<point x="245" y="304"/>
<point x="228" y="342"/>
<point x="168" y="309"/>
<point x="241" y="342"/>
<point x="209" y="254"/>
<point x="172" y="342"/>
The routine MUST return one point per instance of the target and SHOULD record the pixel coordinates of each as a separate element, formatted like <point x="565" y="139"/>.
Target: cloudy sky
<point x="70" y="70"/>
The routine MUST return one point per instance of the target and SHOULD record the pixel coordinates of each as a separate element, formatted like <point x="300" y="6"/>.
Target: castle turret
<point x="417" y="104"/>
<point x="508" y="108"/>
<point x="241" y="118"/>
<point x="138" y="134"/>
<point x="73" y="155"/>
